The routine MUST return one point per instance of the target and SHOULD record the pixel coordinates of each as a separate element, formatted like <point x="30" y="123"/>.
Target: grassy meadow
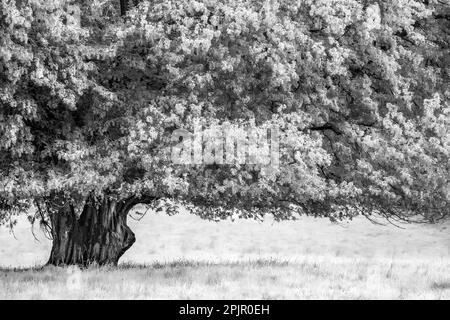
<point x="184" y="257"/>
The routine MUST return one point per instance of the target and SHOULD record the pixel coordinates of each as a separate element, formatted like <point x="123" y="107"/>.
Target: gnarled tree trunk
<point x="99" y="236"/>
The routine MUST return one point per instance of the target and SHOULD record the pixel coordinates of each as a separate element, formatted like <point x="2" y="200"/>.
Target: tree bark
<point x="99" y="236"/>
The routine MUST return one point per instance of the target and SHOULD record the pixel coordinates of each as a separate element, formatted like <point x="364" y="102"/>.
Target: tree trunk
<point x="99" y="236"/>
<point x="125" y="5"/>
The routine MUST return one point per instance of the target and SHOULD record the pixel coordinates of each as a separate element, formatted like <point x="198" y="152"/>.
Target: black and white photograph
<point x="224" y="150"/>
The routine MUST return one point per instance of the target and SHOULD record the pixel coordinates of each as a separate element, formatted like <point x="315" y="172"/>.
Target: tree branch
<point x="326" y="126"/>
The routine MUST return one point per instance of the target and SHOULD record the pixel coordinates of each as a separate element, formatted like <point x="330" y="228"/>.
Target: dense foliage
<point x="358" y="88"/>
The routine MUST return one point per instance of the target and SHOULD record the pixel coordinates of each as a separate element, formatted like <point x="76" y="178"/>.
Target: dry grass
<point x="311" y="278"/>
<point x="183" y="257"/>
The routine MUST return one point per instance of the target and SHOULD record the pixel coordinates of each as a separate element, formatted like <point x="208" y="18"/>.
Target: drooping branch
<point x="127" y="204"/>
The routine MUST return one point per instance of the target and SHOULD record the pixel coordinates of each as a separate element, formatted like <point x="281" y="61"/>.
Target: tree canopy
<point x="359" y="90"/>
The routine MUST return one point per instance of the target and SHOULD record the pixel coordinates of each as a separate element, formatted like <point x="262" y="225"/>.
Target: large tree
<point x="89" y="99"/>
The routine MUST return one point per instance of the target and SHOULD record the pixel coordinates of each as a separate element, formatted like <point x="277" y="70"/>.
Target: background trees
<point x="359" y="91"/>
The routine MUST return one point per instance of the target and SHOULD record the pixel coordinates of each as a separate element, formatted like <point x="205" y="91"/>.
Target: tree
<point x="357" y="89"/>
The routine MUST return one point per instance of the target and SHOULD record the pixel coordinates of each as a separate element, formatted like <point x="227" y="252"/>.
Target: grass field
<point x="183" y="257"/>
